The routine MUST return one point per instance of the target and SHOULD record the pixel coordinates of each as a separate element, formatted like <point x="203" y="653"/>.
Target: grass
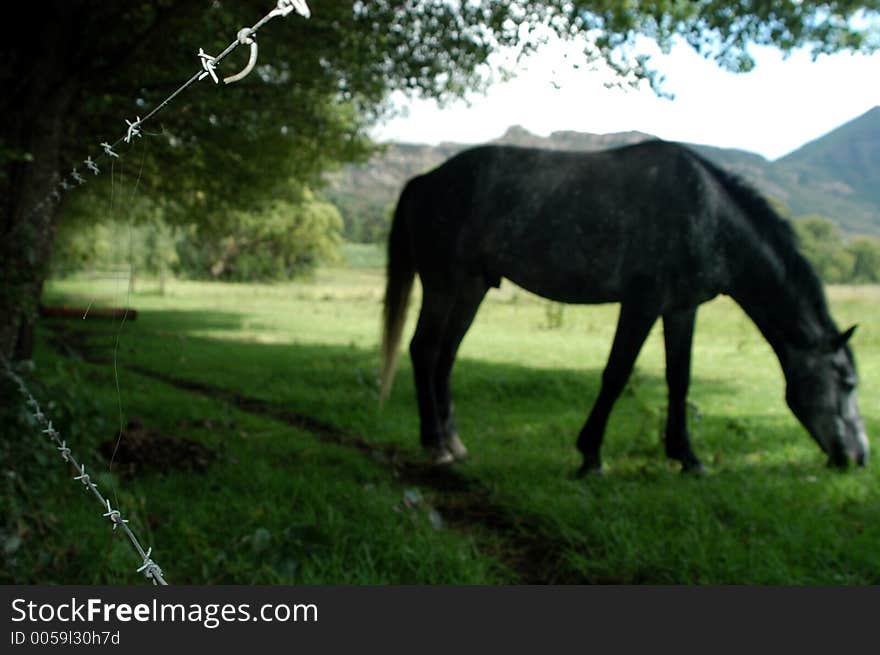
<point x="312" y="483"/>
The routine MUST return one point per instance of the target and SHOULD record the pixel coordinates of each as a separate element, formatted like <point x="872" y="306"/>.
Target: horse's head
<point x="821" y="391"/>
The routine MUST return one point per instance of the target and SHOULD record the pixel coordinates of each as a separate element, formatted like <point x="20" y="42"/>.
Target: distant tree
<point x="823" y="244"/>
<point x="287" y="238"/>
<point x="159" y="253"/>
<point x="146" y="247"/>
<point x="113" y="231"/>
<point x="83" y="248"/>
<point x="865" y="252"/>
<point x="71" y="70"/>
<point x="365" y="221"/>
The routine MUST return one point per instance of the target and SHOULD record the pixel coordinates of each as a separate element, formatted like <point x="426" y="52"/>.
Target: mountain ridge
<point x="835" y="175"/>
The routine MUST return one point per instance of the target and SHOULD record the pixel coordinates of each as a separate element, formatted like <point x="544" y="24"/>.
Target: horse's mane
<point x="780" y="235"/>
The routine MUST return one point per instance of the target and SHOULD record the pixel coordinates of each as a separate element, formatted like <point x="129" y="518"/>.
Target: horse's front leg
<point x="678" y="334"/>
<point x="633" y="327"/>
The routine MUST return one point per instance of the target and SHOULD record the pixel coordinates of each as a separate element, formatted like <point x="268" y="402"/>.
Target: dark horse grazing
<point x="653" y="226"/>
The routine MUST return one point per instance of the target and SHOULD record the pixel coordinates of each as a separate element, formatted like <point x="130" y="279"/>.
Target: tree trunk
<point x="27" y="244"/>
<point x="33" y="132"/>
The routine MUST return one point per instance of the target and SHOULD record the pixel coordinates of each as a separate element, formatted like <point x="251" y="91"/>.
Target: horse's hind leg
<point x="633" y="326"/>
<point x="678" y="333"/>
<point x="437" y="304"/>
<point x="467" y="301"/>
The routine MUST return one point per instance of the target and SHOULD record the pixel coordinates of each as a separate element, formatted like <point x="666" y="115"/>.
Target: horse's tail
<point x="401" y="273"/>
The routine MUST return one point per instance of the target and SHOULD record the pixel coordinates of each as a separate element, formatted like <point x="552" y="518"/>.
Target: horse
<point x="653" y="226"/>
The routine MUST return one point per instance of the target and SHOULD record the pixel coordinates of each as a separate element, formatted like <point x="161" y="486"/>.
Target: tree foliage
<point x="865" y="252"/>
<point x="835" y="259"/>
<point x="320" y="82"/>
<point x="285" y="238"/>
<point x="278" y="241"/>
<point x="364" y="221"/>
<point x="146" y="247"/>
<point x="82" y="66"/>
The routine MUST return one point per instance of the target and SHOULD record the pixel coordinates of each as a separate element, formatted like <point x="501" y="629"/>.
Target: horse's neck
<point x="786" y="311"/>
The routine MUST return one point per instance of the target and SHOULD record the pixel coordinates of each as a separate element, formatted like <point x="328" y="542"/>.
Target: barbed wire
<point x="74" y="179"/>
<point x="245" y="36"/>
<point x="148" y="567"/>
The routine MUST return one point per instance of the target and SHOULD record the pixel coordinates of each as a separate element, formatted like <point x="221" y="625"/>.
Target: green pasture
<point x="307" y="480"/>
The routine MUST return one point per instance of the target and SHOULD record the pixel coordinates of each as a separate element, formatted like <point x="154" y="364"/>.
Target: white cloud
<point x="772" y="110"/>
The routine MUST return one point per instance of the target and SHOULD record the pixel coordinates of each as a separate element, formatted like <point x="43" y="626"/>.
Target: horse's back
<point x="573" y="226"/>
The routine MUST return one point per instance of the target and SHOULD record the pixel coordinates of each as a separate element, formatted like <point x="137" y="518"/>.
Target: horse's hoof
<point x="440" y="455"/>
<point x="592" y="466"/>
<point x="589" y="469"/>
<point x="695" y="468"/>
<point x="690" y="463"/>
<point x="456" y="447"/>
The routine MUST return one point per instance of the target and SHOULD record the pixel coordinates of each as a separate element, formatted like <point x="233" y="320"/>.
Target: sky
<point x="783" y="103"/>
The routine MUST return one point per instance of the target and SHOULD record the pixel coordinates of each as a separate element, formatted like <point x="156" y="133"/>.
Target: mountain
<point x="837" y="175"/>
<point x="844" y="164"/>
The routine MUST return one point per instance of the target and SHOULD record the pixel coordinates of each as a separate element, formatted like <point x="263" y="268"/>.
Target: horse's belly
<point x="607" y="277"/>
<point x="561" y="256"/>
<point x="565" y="280"/>
<point x="568" y="291"/>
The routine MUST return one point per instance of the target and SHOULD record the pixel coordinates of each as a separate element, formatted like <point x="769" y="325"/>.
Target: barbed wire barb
<point x="114" y="515"/>
<point x="134" y="129"/>
<point x="209" y="63"/>
<point x="65" y="451"/>
<point x="108" y="150"/>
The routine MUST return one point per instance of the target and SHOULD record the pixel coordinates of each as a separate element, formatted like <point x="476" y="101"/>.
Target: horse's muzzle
<point x="857" y="453"/>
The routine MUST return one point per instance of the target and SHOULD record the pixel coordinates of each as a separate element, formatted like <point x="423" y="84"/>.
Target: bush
<point x="284" y="240"/>
<point x="836" y="260"/>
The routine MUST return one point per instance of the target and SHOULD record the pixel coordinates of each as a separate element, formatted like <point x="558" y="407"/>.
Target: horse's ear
<point x="841" y="339"/>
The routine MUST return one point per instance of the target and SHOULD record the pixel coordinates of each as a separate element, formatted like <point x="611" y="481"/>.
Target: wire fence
<point x="148" y="567"/>
<point x="74" y="179"/>
<point x="209" y="64"/>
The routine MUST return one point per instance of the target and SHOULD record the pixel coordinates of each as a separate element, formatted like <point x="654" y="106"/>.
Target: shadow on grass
<point x="501" y="402"/>
<point x="520" y="424"/>
<point x="185" y="321"/>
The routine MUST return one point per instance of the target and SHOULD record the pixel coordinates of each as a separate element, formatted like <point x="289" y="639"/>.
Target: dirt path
<point x="463" y="502"/>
